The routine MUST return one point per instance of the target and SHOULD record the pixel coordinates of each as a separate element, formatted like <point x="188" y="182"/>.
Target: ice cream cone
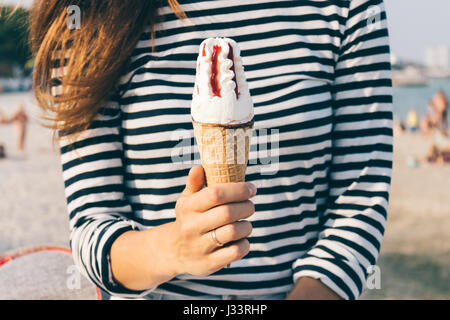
<point x="222" y="111"/>
<point x="224" y="150"/>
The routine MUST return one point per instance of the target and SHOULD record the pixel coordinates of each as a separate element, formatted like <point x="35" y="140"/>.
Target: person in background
<point x="437" y="115"/>
<point x="426" y="125"/>
<point x="439" y="150"/>
<point x="435" y="125"/>
<point x="20" y="120"/>
<point x="440" y="102"/>
<point x="412" y="120"/>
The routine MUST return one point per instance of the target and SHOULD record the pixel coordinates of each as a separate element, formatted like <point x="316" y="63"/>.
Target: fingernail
<point x="252" y="189"/>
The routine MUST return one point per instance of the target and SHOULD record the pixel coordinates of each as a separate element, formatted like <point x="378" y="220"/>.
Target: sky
<point x="413" y="25"/>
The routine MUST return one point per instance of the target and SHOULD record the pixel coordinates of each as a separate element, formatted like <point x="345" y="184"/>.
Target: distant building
<point x="437" y="57"/>
<point x="437" y="61"/>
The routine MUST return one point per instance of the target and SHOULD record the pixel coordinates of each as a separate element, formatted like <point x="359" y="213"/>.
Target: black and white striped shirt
<point x="319" y="76"/>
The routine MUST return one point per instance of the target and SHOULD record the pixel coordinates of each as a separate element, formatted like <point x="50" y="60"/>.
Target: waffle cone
<point x="224" y="150"/>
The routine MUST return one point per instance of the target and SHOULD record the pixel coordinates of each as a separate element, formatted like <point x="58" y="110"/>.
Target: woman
<point x="441" y="109"/>
<point x="20" y="120"/>
<point x="319" y="73"/>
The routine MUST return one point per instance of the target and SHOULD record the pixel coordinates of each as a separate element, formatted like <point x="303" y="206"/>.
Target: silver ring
<point x="214" y="237"/>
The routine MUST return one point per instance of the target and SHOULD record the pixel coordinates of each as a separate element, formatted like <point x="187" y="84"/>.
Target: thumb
<point x="195" y="181"/>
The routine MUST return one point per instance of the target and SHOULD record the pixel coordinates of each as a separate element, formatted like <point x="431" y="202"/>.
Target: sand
<point x="415" y="255"/>
<point x="32" y="206"/>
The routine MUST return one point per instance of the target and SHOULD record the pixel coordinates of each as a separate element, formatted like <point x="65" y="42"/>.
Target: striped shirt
<point x="321" y="156"/>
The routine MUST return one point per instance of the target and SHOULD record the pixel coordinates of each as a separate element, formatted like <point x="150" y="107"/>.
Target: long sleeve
<point x="353" y="224"/>
<point x="94" y="186"/>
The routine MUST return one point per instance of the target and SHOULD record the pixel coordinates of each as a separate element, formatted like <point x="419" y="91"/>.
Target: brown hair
<point x="94" y="57"/>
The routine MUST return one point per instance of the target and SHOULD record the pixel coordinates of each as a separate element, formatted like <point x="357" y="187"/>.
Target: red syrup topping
<point x="215" y="71"/>
<point x="231" y="57"/>
<point x="204" y="52"/>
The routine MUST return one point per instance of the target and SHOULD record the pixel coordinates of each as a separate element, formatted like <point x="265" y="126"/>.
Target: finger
<point x="221" y="193"/>
<point x="195" y="181"/>
<point x="225" y="214"/>
<point x="226" y="234"/>
<point x="230" y="253"/>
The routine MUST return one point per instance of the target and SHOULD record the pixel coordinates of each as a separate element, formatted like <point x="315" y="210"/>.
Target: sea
<point x="417" y="97"/>
<point x="405" y="98"/>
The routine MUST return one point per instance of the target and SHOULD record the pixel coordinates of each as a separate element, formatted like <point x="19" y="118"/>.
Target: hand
<point x="201" y="210"/>
<point x="308" y="288"/>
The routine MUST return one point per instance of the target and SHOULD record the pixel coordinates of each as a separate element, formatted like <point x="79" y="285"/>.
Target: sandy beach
<point x="415" y="255"/>
<point x="32" y="206"/>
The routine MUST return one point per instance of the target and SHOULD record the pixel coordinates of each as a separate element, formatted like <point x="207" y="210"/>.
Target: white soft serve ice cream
<point x="221" y="93"/>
